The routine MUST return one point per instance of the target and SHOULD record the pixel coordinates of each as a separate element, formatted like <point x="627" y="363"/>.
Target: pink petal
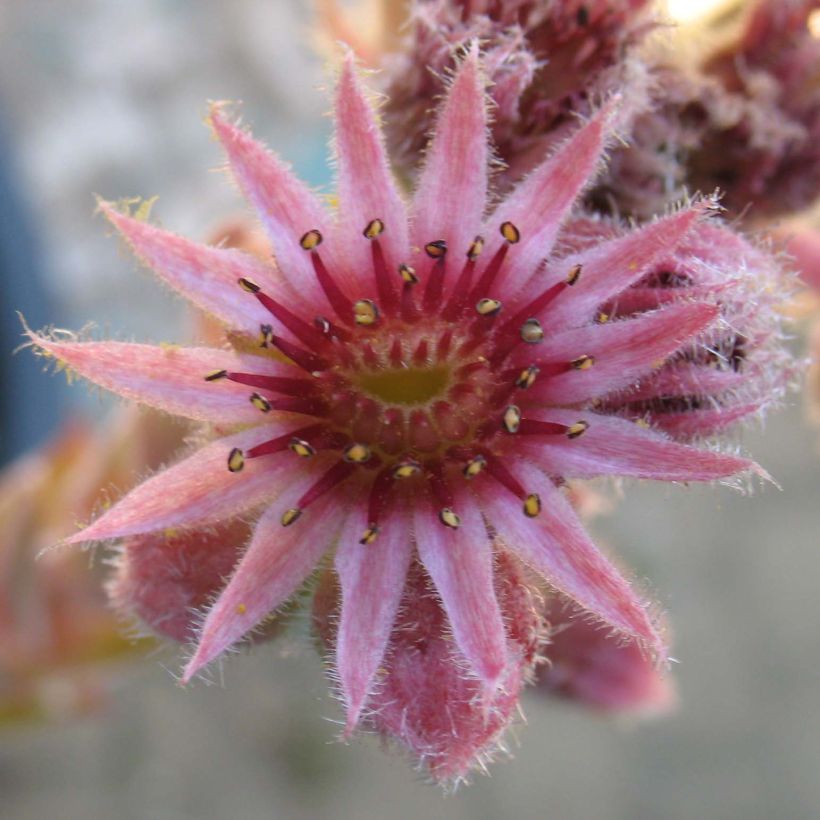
<point x="556" y="545"/>
<point x="701" y="423"/>
<point x="198" y="490"/>
<point x="287" y="208"/>
<point x="615" y="446"/>
<point x="275" y="564"/>
<point x="684" y="379"/>
<point x="367" y="190"/>
<point x="170" y="378"/>
<point x="452" y="191"/>
<point x="460" y="563"/>
<point x="622" y="350"/>
<point x="206" y="275"/>
<point x="541" y="202"/>
<point x="610" y="267"/>
<point x="372" y="579"/>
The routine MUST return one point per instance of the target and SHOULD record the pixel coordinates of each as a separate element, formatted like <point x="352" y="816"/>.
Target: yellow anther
<point x="602" y="318"/>
<point x="301" y="448"/>
<point x="236" y="460"/>
<point x="357" y="453"/>
<point x="526" y="378"/>
<point x="583" y="362"/>
<point x="370" y="535"/>
<point x="408" y="274"/>
<point x="374" y="228"/>
<point x="476" y="246"/>
<point x="250" y="287"/>
<point x="406" y="469"/>
<point x="643" y="423"/>
<point x="510" y="233"/>
<point x="449" y="518"/>
<point x="488" y="307"/>
<point x="574" y="274"/>
<point x="216" y="375"/>
<point x="474" y="466"/>
<point x="289" y="516"/>
<point x="260" y="403"/>
<point x="512" y="419"/>
<point x="311" y="240"/>
<point x="532" y="332"/>
<point x="365" y="312"/>
<point x="577" y="429"/>
<point x="437" y="249"/>
<point x="241" y="609"/>
<point x="532" y="505"/>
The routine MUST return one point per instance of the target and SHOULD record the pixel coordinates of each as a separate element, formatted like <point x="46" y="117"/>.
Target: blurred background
<point x="108" y="98"/>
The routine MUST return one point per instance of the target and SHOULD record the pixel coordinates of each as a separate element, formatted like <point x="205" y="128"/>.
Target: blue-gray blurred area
<point x="30" y="405"/>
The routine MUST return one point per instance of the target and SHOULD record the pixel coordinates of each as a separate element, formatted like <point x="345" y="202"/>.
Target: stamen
<point x="307" y="361"/>
<point x="408" y="274"/>
<point x="449" y="518"/>
<point x="281" y="443"/>
<point x="379" y="492"/>
<point x="341" y="305"/>
<point x="384" y="283"/>
<point x="534" y="427"/>
<point x="511" y="420"/>
<point x="532" y="332"/>
<point x="365" y="312"/>
<point x="526" y="378"/>
<point x="475" y="249"/>
<point x="374" y="228"/>
<point x="574" y="274"/>
<point x="498" y="470"/>
<point x="488" y="307"/>
<point x="248" y="286"/>
<point x="435" y="282"/>
<point x="301" y="447"/>
<point x="290" y="516"/>
<point x="532" y="505"/>
<point x="274" y="384"/>
<point x="577" y="429"/>
<point x="300" y="329"/>
<point x="216" y="375"/>
<point x="369" y="535"/>
<point x="510" y="233"/>
<point x="474" y="466"/>
<point x="311" y="240"/>
<point x="583" y="362"/>
<point x="357" y="453"/>
<point x="461" y="290"/>
<point x="436" y="249"/>
<point x="236" y="460"/>
<point x="602" y="318"/>
<point x="260" y="403"/>
<point x="406" y="469"/>
<point x="335" y="475"/>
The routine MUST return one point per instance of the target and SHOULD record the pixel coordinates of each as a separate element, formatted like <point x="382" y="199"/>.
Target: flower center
<point x="410" y="386"/>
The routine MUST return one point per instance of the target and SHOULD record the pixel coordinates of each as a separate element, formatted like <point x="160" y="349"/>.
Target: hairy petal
<point x="372" y="581"/>
<point x="556" y="545"/>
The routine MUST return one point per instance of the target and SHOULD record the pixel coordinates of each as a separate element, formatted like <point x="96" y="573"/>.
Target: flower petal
<point x="170" y="378"/>
<point x="556" y="545"/>
<point x="706" y="422"/>
<point x="372" y="580"/>
<point x="615" y="446"/>
<point x="287" y="208"/>
<point x="452" y="191"/>
<point x="197" y="490"/>
<point x="205" y="275"/>
<point x="540" y="203"/>
<point x="278" y="559"/>
<point x="460" y="563"/>
<point x="367" y="190"/>
<point x="623" y="351"/>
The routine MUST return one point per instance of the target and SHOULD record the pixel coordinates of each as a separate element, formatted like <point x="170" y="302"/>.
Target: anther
<point x="247" y="285"/>
<point x="526" y="378"/>
<point x="474" y="466"/>
<point x="369" y="535"/>
<point x="216" y="375"/>
<point x="301" y="448"/>
<point x="577" y="429"/>
<point x="374" y="228"/>
<point x="602" y="318"/>
<point x="322" y="325"/>
<point x="265" y="335"/>
<point x="408" y="274"/>
<point x="357" y="453"/>
<point x="511" y="419"/>
<point x="406" y="469"/>
<point x="311" y="240"/>
<point x="449" y="518"/>
<point x="476" y="246"/>
<point x="365" y="312"/>
<point x="236" y="460"/>
<point x="583" y="362"/>
<point x="574" y="274"/>
<point x="260" y="403"/>
<point x="289" y="516"/>
<point x="488" y="307"/>
<point x="510" y="233"/>
<point x="532" y="505"/>
<point x="532" y="332"/>
<point x="437" y="249"/>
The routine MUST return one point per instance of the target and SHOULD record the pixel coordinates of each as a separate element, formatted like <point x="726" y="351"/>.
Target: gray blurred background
<point x="108" y="98"/>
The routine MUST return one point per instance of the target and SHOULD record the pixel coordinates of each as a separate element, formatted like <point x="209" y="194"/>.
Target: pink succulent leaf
<point x="622" y="351"/>
<point x="452" y="190"/>
<point x="460" y="563"/>
<point x="541" y="202"/>
<point x="286" y="207"/>
<point x="367" y="190"/>
<point x="169" y="378"/>
<point x="615" y="446"/>
<point x="556" y="546"/>
<point x="277" y="561"/>
<point x="372" y="584"/>
<point x="197" y="490"/>
<point x="207" y="276"/>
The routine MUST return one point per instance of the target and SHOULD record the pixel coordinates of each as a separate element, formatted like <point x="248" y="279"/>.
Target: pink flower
<point x="409" y="387"/>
